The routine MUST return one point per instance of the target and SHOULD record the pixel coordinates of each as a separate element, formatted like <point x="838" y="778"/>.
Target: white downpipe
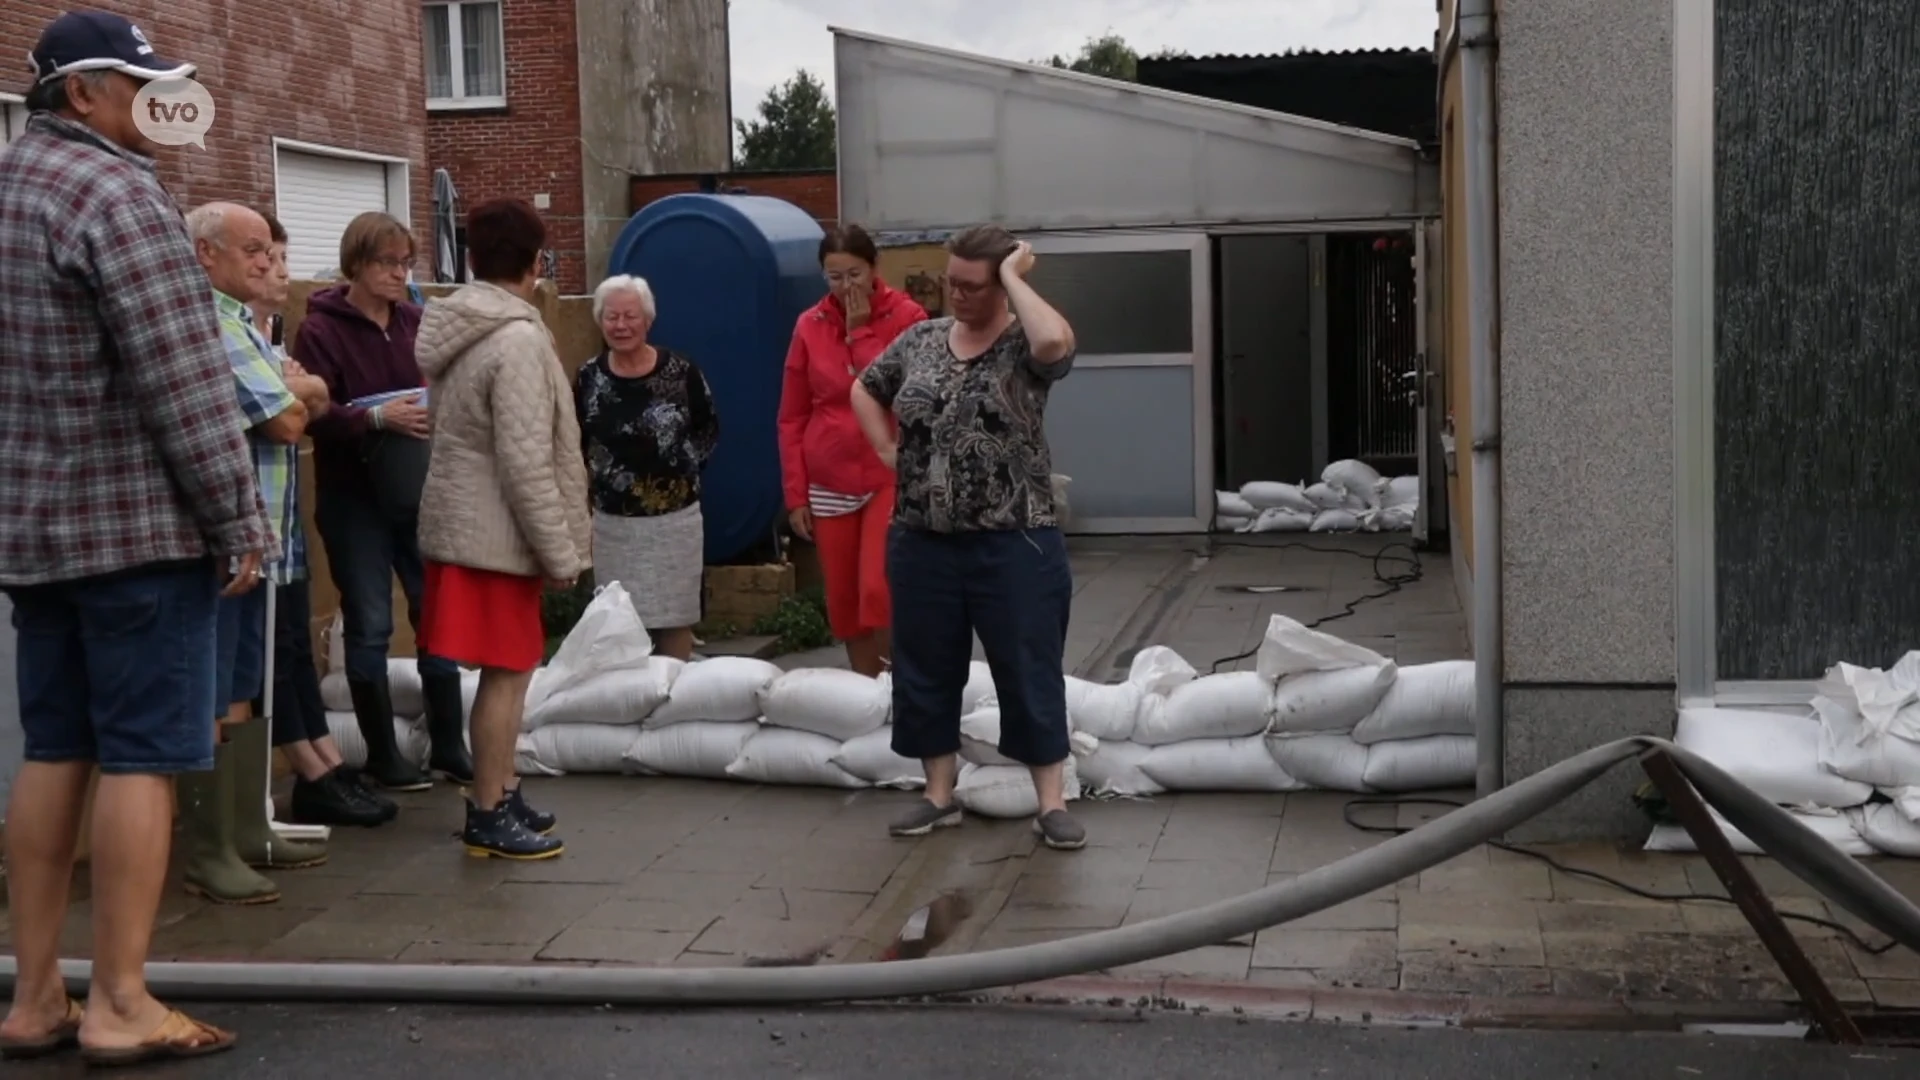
<point x="285" y="830"/>
<point x="1476" y="39"/>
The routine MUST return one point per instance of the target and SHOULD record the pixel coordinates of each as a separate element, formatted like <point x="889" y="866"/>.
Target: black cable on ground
<point x="1391" y="581"/>
<point x="1590" y="875"/>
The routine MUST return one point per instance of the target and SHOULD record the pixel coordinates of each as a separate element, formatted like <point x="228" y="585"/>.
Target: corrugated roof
<point x="1405" y="51"/>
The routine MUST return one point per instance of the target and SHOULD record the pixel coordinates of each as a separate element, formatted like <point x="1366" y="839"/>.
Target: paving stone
<point x="1895" y="993"/>
<point x="653" y="916"/>
<point x="1324" y="949"/>
<point x="1529" y="881"/>
<point x="1226" y="962"/>
<point x="1436" y="973"/>
<point x="617" y="946"/>
<point x="342" y="941"/>
<point x="1635" y="917"/>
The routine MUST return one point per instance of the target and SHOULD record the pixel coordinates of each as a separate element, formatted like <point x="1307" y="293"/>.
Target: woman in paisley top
<point x="647" y="426"/>
<point x="975" y="547"/>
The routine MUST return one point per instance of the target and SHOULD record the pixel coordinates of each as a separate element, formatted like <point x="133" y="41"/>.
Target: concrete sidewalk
<point x="662" y="871"/>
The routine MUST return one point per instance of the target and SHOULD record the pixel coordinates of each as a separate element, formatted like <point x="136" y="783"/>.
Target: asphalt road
<point x="952" y="1043"/>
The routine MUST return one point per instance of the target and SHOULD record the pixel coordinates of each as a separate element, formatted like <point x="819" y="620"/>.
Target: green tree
<point x="796" y="128"/>
<point x="1110" y="57"/>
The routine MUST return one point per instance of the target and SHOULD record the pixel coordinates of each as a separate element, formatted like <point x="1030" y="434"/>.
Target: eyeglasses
<point x="968" y="288"/>
<point x="390" y="265"/>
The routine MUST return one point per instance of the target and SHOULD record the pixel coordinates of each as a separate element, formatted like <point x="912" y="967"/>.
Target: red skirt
<point x="482" y="618"/>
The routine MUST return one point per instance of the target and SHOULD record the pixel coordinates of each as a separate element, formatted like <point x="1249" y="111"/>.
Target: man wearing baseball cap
<point x="128" y="506"/>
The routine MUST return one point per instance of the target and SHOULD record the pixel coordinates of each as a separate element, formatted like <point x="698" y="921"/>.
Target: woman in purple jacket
<point x="369" y="463"/>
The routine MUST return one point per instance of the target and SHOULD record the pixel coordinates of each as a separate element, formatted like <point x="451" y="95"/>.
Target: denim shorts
<point x="119" y="670"/>
<point x="240" y="660"/>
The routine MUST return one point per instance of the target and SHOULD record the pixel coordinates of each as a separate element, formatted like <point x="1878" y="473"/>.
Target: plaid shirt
<point x="263" y="395"/>
<point x="120" y="443"/>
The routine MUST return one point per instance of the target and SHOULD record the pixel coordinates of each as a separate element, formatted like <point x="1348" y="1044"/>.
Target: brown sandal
<point x="178" y="1036"/>
<point x="64" y="1036"/>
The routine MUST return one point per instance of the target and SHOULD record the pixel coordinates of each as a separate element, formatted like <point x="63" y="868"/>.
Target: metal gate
<point x="1373" y="329"/>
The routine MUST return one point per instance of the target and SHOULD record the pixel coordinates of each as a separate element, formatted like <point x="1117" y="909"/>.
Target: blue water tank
<point x="730" y="275"/>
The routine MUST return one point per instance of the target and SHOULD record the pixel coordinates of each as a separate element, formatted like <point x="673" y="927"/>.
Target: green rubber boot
<point x="210" y="866"/>
<point x="253" y="836"/>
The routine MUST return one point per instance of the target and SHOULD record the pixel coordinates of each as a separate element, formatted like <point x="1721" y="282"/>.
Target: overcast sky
<point x="774" y="38"/>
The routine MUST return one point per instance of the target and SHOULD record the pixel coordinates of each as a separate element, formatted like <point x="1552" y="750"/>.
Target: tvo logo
<point x="174" y="112"/>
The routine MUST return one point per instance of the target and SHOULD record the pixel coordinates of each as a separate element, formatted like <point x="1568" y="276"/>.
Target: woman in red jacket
<point x="839" y="493"/>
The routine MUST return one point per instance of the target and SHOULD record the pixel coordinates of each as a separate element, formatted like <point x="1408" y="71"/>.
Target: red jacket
<point x="820" y="440"/>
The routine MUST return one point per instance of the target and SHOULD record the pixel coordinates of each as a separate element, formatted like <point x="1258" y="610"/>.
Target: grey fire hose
<point x="1817" y="862"/>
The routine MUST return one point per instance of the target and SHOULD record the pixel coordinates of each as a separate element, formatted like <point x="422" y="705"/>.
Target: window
<point x="13" y="118"/>
<point x="466" y="58"/>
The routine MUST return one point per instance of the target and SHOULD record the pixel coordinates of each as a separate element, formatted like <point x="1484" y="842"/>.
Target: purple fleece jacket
<point x="356" y="358"/>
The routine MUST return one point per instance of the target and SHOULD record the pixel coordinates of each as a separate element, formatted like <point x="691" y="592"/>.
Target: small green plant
<point x="800" y="622"/>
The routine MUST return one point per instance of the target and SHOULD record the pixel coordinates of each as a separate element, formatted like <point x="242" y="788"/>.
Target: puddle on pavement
<point x="1793" y="1030"/>
<point x="930" y="927"/>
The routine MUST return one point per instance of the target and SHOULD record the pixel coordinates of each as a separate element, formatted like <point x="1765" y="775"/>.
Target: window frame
<point x="456" y="47"/>
<point x="10" y="105"/>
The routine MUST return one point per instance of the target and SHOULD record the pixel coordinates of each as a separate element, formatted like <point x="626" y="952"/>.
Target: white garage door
<point x="318" y="196"/>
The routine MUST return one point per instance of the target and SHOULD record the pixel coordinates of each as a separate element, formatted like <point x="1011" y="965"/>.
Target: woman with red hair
<point x="839" y="493"/>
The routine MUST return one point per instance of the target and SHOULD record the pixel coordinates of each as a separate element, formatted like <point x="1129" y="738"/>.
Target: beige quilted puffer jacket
<point x="507" y="488"/>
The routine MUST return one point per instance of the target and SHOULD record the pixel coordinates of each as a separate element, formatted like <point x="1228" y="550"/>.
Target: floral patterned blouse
<point x="645" y="438"/>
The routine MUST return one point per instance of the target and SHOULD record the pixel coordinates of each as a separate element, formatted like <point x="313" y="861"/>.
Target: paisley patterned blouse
<point x="646" y="438"/>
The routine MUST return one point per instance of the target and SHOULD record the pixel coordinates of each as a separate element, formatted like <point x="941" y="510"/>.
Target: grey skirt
<point x="660" y="561"/>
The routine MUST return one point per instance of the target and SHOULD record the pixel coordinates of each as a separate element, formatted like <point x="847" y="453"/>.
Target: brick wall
<point x="815" y="191"/>
<point x="344" y="74"/>
<point x="532" y="146"/>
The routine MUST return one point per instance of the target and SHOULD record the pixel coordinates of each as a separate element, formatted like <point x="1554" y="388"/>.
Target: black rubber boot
<point x="373" y="707"/>
<point x="500" y="834"/>
<point x="447" y="727"/>
<point x="333" y="800"/>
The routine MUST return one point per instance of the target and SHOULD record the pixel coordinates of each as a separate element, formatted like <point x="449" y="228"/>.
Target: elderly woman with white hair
<point x="647" y="428"/>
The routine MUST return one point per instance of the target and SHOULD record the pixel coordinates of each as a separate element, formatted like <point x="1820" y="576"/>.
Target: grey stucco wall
<point x="654" y="79"/>
<point x="1584" y="94"/>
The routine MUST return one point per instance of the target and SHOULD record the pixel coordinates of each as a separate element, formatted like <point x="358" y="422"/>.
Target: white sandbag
<point x="1325" y="496"/>
<point x="1357" y="477"/>
<point x="1290" y="648"/>
<point x="1006" y="791"/>
<point x="1388" y="519"/>
<point x="576" y="748"/>
<point x="1331" y="521"/>
<point x="335" y="693"/>
<point x="697" y="748"/>
<point x="623" y="696"/>
<point x="980" y="738"/>
<point x="1231" y="523"/>
<point x="979" y="691"/>
<point x="1440" y="761"/>
<point x="408" y="734"/>
<point x="1324" y="762"/>
<point x="1105" y="711"/>
<point x="1320" y="702"/>
<point x="1886" y="830"/>
<point x="871" y="758"/>
<point x="1833" y="827"/>
<point x="1114" y="769"/>
<point x="1230" y="705"/>
<point x="1218" y="765"/>
<point x="1775" y="753"/>
<point x="1158" y="670"/>
<point x="608" y="637"/>
<point x="1870" y="723"/>
<point x="839" y="705"/>
<point x="1233" y="504"/>
<point x="1398" y="491"/>
<point x="790" y="756"/>
<point x="1272" y="495"/>
<point x="725" y="688"/>
<point x="1907" y="799"/>
<point x="469" y="690"/>
<point x="1062" y="507"/>
<point x="1280" y="520"/>
<point x="1424" y="700"/>
<point x="403" y="686"/>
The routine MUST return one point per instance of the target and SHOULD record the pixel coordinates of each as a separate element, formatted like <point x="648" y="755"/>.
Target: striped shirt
<point x="120" y="443"/>
<point x="824" y="503"/>
<point x="263" y="395"/>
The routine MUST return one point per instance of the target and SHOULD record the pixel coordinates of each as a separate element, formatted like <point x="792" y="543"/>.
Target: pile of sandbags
<point x="1318" y="712"/>
<point x="1848" y="768"/>
<point x="1350" y="497"/>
